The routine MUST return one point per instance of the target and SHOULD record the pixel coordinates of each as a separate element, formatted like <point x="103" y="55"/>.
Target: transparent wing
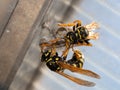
<point x="78" y="70"/>
<point x="77" y="80"/>
<point x="92" y="26"/>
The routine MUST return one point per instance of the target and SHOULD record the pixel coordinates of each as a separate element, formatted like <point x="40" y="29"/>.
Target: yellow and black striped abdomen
<point x="77" y="59"/>
<point x="76" y="63"/>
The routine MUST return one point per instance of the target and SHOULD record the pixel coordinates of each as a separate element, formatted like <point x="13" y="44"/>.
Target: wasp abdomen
<point x="75" y="63"/>
<point x="77" y="59"/>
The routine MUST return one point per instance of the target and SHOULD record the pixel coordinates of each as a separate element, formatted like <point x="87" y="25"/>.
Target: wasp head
<point x="46" y="55"/>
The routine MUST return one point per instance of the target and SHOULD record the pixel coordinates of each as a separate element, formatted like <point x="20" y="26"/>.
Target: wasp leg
<point x="70" y="24"/>
<point x="78" y="70"/>
<point x="78" y="22"/>
<point x="53" y="50"/>
<point x="65" y="52"/>
<point x="55" y="40"/>
<point x="93" y="36"/>
<point x="43" y="45"/>
<point x="83" y="44"/>
<point x="77" y="80"/>
<point x="72" y="47"/>
<point x="66" y="25"/>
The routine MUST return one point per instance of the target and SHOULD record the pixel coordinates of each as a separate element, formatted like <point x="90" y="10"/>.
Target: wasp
<point x="77" y="36"/>
<point x="56" y="63"/>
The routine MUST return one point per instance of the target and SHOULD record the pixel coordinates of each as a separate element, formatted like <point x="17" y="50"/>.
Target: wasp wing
<point x="79" y="70"/>
<point x="77" y="80"/>
<point x="92" y="26"/>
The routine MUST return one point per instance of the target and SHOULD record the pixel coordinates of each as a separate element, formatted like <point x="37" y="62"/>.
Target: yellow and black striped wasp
<point x="77" y="36"/>
<point x="56" y="63"/>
